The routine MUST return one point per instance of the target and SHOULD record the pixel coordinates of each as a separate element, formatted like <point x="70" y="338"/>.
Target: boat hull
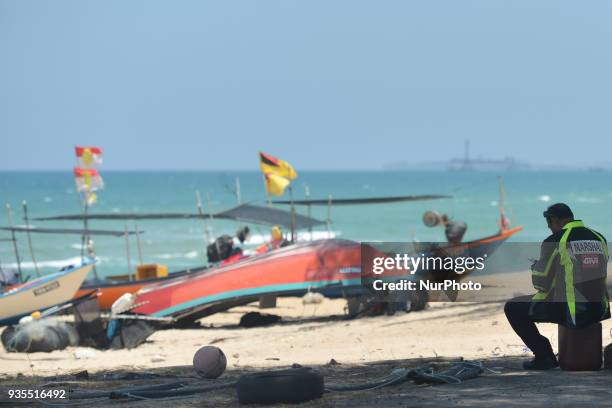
<point x="331" y="267"/>
<point x="41" y="293"/>
<point x="291" y="270"/>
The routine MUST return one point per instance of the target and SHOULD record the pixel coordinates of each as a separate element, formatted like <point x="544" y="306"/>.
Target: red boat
<point x="331" y="266"/>
<point x="292" y="270"/>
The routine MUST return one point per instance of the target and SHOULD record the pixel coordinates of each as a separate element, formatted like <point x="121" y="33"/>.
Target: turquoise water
<point x="180" y="244"/>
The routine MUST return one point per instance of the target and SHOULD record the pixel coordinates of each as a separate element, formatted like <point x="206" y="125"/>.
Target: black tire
<point x="289" y="386"/>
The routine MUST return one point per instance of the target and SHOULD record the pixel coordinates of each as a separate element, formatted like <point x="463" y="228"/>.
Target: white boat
<point x="41" y="293"/>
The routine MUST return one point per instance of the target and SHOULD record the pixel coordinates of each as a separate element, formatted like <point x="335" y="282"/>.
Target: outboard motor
<point x="454" y="231"/>
<point x="221" y="249"/>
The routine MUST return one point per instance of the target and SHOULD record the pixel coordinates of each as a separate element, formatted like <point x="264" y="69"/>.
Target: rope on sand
<point x="397" y="376"/>
<point x="454" y="375"/>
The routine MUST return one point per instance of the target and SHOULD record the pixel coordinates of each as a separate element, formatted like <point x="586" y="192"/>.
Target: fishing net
<point x="43" y="335"/>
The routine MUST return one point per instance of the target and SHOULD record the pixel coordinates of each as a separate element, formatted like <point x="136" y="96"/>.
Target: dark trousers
<point x="517" y="312"/>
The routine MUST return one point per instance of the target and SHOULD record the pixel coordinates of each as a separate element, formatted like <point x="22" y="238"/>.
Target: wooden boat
<point x="41" y="293"/>
<point x="331" y="266"/>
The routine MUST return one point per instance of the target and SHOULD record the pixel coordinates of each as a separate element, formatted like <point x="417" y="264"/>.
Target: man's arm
<point x="542" y="271"/>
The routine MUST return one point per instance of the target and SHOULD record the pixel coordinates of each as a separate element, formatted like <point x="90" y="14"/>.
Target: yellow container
<point x="151" y="271"/>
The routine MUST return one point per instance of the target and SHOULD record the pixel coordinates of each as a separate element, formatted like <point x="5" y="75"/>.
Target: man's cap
<point x="560" y="211"/>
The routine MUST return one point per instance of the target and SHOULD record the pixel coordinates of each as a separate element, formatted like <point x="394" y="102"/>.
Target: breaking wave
<point x="545" y="198"/>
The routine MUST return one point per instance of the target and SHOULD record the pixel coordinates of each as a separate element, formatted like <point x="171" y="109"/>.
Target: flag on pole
<point x="88" y="156"/>
<point x="278" y="167"/>
<point x="88" y="180"/>
<point x="276" y="185"/>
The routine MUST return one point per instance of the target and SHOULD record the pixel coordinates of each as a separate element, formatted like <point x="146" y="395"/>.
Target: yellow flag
<point x="278" y="167"/>
<point x="276" y="185"/>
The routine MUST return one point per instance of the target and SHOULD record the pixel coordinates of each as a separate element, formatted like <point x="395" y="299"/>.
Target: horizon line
<point x="382" y="170"/>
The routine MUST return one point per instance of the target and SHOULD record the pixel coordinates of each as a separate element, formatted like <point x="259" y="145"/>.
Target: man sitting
<point x="570" y="278"/>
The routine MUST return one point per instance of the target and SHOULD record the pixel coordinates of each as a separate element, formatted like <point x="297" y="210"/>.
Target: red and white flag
<point x="88" y="180"/>
<point x="88" y="156"/>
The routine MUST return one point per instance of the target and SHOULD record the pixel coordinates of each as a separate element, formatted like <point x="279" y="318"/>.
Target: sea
<point x="181" y="244"/>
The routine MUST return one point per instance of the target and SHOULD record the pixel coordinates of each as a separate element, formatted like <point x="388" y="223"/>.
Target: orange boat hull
<point x="108" y="295"/>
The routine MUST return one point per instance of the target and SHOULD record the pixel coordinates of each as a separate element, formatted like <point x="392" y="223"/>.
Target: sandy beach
<point x="315" y="335"/>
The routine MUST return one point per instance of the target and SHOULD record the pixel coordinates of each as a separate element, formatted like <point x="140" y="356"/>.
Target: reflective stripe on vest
<point x="547" y="269"/>
<point x="568" y="265"/>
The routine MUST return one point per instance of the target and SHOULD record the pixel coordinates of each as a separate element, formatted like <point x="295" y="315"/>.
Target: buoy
<point x="209" y="362"/>
<point x="312" y="298"/>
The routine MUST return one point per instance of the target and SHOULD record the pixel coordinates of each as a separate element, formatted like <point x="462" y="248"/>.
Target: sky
<point x="329" y="85"/>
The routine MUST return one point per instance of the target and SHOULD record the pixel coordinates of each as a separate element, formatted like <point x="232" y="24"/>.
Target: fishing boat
<point x="330" y="266"/>
<point x="87" y="286"/>
<point x="41" y="293"/>
<point x="112" y="287"/>
<point x="292" y="270"/>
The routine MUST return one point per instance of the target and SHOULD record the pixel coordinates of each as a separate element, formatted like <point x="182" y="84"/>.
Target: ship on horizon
<point x="466" y="163"/>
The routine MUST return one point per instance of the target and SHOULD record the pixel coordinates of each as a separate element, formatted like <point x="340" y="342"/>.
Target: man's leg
<point x="517" y="312"/>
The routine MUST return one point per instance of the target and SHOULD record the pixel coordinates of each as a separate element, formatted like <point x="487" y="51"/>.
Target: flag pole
<point x="83" y="203"/>
<point x="27" y="221"/>
<point x="127" y="250"/>
<point x="207" y="227"/>
<point x="138" y="246"/>
<point x="329" y="208"/>
<point x="293" y="237"/>
<point x="201" y="213"/>
<point x="238" y="193"/>
<point x="268" y="196"/>
<point x="83" y="237"/>
<point x="209" y="209"/>
<point x="238" y="198"/>
<point x="9" y="213"/>
<point x="87" y="194"/>
<point x="503" y="222"/>
<point x="85" y="226"/>
<point x="86" y="238"/>
<point x="307" y="192"/>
